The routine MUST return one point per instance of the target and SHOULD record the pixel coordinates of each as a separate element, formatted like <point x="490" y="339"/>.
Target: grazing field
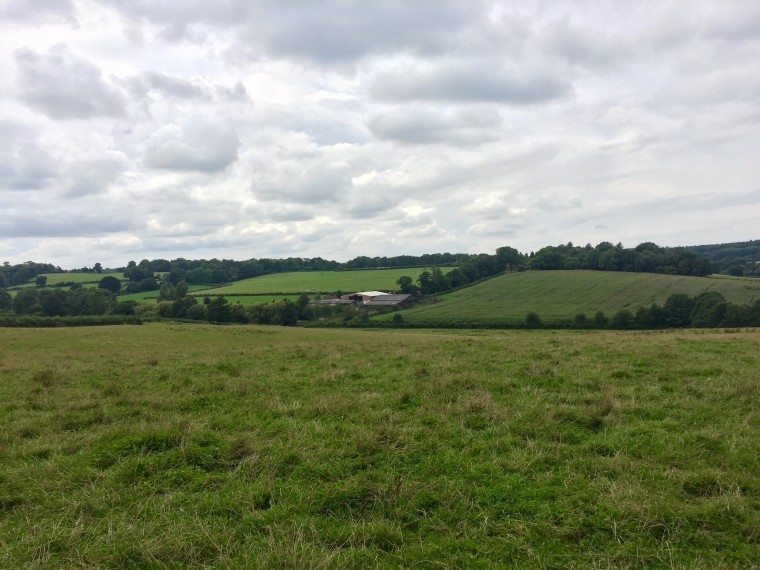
<point x="319" y="281"/>
<point x="152" y="296"/>
<point x="563" y="294"/>
<point x="171" y="445"/>
<point x="53" y="278"/>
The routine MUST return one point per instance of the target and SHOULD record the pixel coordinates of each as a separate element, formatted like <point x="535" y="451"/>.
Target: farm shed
<point x="364" y="296"/>
<point x="370" y="299"/>
<point x="400" y="301"/>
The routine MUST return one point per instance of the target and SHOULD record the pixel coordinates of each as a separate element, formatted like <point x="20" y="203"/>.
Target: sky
<point x="260" y="128"/>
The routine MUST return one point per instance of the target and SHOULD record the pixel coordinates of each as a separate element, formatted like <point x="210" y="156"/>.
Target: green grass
<point x="53" y="278"/>
<point x="319" y="281"/>
<point x="171" y="445"/>
<point x="152" y="296"/>
<point x="563" y="294"/>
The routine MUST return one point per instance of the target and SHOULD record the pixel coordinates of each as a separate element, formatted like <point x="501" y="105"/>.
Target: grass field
<point x="319" y="281"/>
<point x="170" y="445"/>
<point x="563" y="294"/>
<point x="53" y="278"/>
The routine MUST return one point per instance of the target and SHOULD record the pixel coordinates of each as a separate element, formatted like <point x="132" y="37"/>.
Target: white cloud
<point x="334" y="129"/>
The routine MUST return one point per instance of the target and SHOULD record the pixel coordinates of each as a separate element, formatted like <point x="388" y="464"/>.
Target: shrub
<point x="532" y="321"/>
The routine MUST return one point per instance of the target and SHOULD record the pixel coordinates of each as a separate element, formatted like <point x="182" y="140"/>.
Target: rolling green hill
<point x="317" y="281"/>
<point x="563" y="294"/>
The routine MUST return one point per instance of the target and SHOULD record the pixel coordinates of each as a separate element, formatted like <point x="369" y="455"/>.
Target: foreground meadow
<point x="169" y="445"/>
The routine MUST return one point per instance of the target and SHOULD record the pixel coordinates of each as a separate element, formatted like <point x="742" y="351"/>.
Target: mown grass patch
<point x="319" y="281"/>
<point x="173" y="445"/>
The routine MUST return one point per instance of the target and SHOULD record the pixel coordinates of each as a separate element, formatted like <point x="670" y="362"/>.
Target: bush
<point x="532" y="321"/>
<point x="110" y="283"/>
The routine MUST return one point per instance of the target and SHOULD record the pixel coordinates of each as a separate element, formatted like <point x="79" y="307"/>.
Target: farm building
<point x="363" y="296"/>
<point x="370" y="299"/>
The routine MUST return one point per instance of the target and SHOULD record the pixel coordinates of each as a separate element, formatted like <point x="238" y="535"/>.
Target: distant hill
<point x="556" y="295"/>
<point x="738" y="258"/>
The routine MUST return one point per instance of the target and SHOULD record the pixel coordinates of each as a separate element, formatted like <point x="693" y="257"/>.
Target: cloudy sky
<point x="262" y="128"/>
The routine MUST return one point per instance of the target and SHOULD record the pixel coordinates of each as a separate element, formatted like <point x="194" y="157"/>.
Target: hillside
<point x="738" y="258"/>
<point x="317" y="282"/>
<point x="563" y="294"/>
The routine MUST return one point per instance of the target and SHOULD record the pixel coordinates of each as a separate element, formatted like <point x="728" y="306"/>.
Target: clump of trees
<point x="468" y="270"/>
<point x="19" y="274"/>
<point x="78" y="301"/>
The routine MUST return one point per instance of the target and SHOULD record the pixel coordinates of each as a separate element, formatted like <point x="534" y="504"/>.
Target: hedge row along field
<point x="174" y="445"/>
<point x="563" y="294"/>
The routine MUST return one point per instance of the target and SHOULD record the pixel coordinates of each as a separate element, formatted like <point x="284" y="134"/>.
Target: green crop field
<point x="319" y="281"/>
<point x="74" y="277"/>
<point x="179" y="445"/>
<point x="563" y="294"/>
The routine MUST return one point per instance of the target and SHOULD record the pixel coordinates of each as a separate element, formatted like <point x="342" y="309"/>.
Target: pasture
<point x="79" y="277"/>
<point x="297" y="282"/>
<point x="563" y="294"/>
<point x="179" y="445"/>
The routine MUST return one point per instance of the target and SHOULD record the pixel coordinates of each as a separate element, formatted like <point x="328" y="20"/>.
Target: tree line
<point x="706" y="310"/>
<point x="741" y="259"/>
<point x="646" y="257"/>
<point x="465" y="268"/>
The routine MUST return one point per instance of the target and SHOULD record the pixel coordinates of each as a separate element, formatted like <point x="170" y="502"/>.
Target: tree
<point x="98" y="268"/>
<point x="40" y="281"/>
<point x="509" y="258"/>
<point x="438" y="280"/>
<point x="678" y="308"/>
<point x="406" y="285"/>
<point x="709" y="309"/>
<point x="426" y="282"/>
<point x="26" y="302"/>
<point x="110" y="283"/>
<point x="6" y="300"/>
<point x="622" y="319"/>
<point x="289" y="315"/>
<point x="218" y="310"/>
<point x="52" y="302"/>
<point x="302" y="303"/>
<point x="600" y="319"/>
<point x="532" y="321"/>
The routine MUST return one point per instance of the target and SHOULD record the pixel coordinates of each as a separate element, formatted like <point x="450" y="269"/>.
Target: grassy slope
<point x="563" y="294"/>
<point x="310" y="281"/>
<point x="189" y="445"/>
<point x="53" y="278"/>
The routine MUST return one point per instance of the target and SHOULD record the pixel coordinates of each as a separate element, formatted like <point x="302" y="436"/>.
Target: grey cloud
<point x="63" y="86"/>
<point x="422" y="125"/>
<point x="171" y="85"/>
<point x="201" y="146"/>
<point x="95" y="175"/>
<point x="26" y="166"/>
<point x="564" y="41"/>
<point x="38" y="10"/>
<point x="326" y="31"/>
<point x="339" y="30"/>
<point x="57" y="223"/>
<point x="274" y="212"/>
<point x="321" y="181"/>
<point x="470" y="81"/>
